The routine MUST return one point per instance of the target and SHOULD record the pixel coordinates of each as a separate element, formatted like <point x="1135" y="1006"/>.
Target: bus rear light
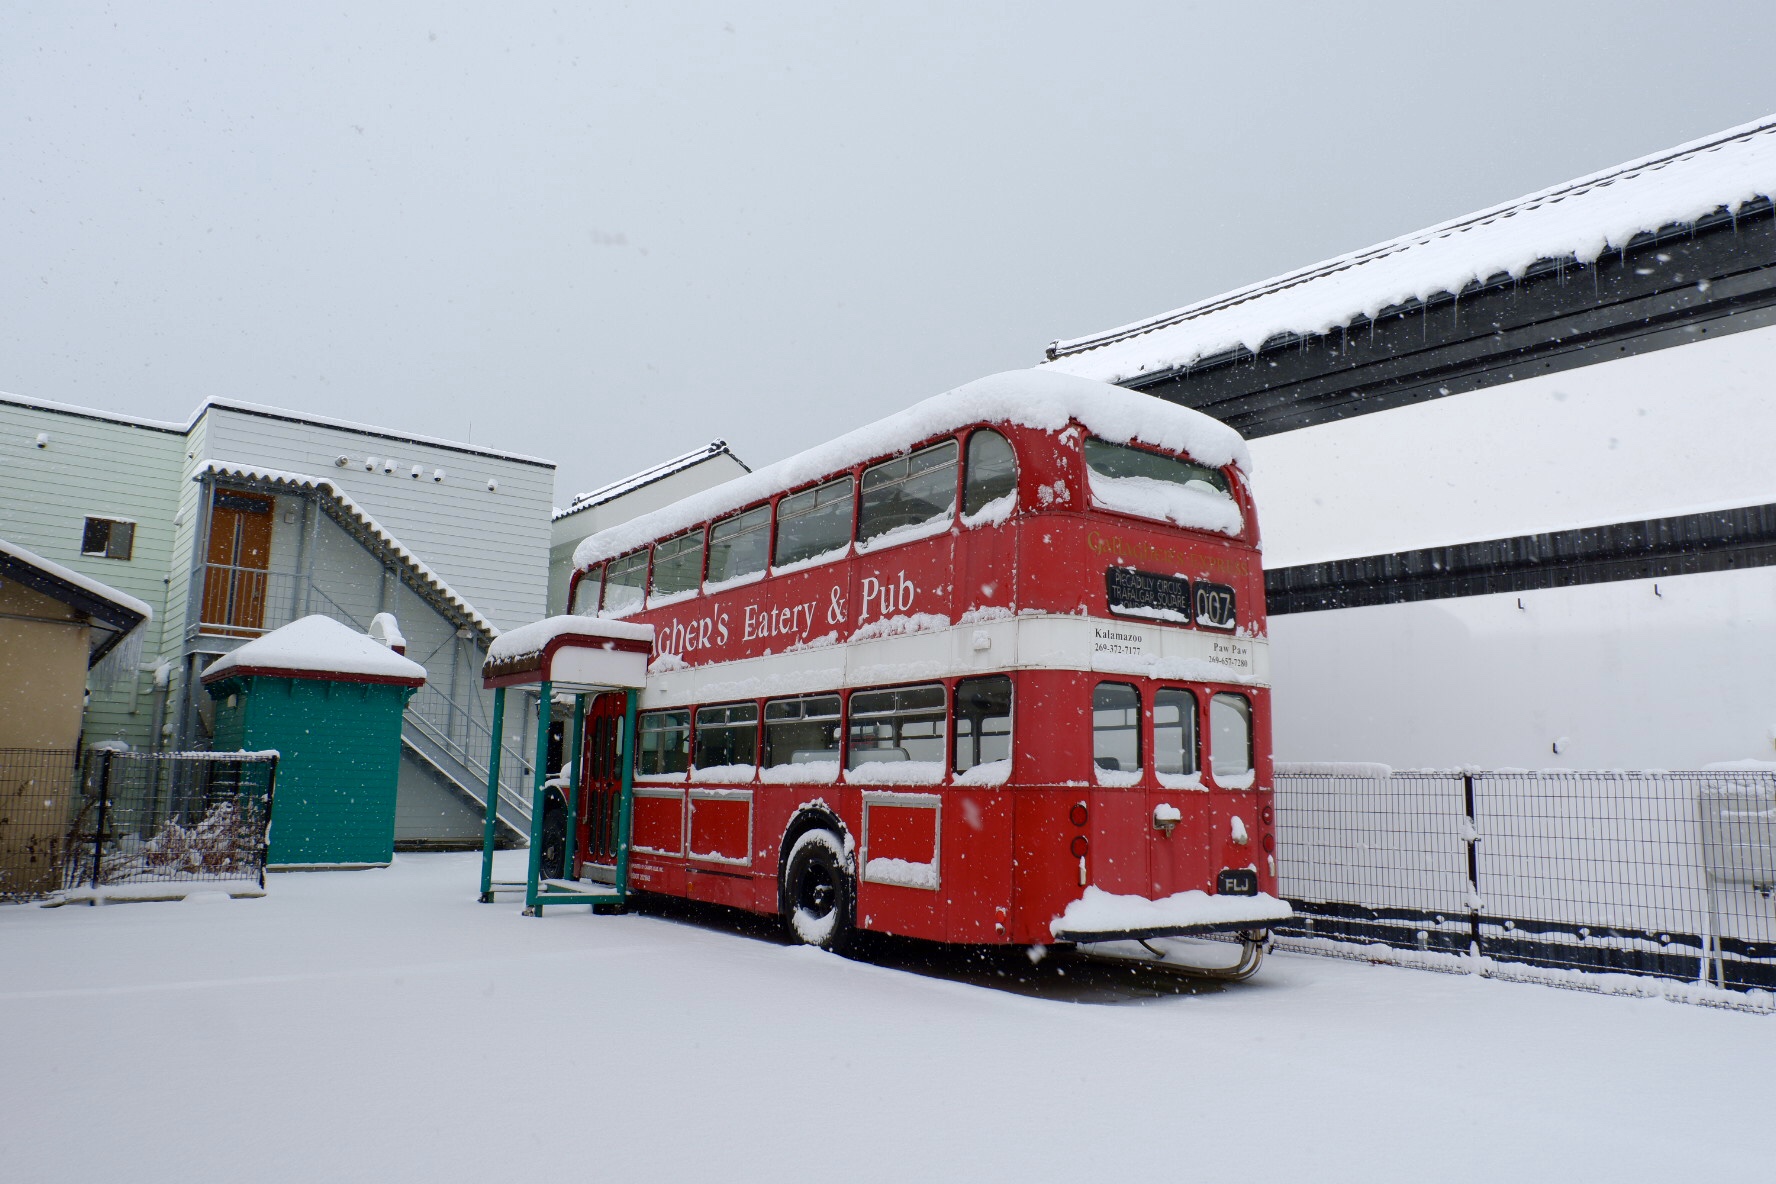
<point x="1079" y="846"/>
<point x="1270" y="843"/>
<point x="1266" y="815"/>
<point x="1077" y="814"/>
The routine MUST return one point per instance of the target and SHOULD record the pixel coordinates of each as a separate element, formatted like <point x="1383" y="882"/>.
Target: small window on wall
<point x="905" y="724"/>
<point x="992" y="471"/>
<point x="1230" y="740"/>
<point x="1116" y="728"/>
<point x="727" y="735"/>
<point x="663" y="743"/>
<point x="739" y="546"/>
<point x="678" y="564"/>
<point x="813" y="523"/>
<point x="908" y="491"/>
<point x="983" y="721"/>
<point x="802" y="731"/>
<point x="585" y="602"/>
<point x="624" y="581"/>
<point x="1174" y="732"/>
<point x="109" y="538"/>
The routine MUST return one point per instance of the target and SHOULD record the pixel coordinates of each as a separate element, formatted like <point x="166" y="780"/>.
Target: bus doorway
<point x="601" y="787"/>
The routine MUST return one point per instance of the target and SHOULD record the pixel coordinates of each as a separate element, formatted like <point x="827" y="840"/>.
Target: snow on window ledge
<point x="897" y="773"/>
<point x="1144" y="497"/>
<point x="994" y="513"/>
<point x="806" y="773"/>
<point x="1236" y="780"/>
<point x="1181" y="781"/>
<point x="911" y="532"/>
<point x="729" y="773"/>
<point x="812" y="561"/>
<point x="1118" y="778"/>
<point x="901" y="873"/>
<point x="986" y="773"/>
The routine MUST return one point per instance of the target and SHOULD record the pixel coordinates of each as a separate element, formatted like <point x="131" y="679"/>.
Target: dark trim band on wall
<point x="1689" y="544"/>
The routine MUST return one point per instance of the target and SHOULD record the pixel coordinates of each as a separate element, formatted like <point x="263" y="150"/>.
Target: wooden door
<point x="236" y="559"/>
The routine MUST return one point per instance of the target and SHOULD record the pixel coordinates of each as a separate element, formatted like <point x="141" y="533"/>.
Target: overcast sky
<point x="607" y="234"/>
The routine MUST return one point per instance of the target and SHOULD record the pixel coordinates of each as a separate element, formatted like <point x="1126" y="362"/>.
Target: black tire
<point x="819" y="897"/>
<point x="552" y="855"/>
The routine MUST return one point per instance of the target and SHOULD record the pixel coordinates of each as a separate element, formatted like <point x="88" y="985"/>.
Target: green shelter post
<point x="546" y="694"/>
<point x="493" y="771"/>
<point x="575" y="739"/>
<point x="625" y="755"/>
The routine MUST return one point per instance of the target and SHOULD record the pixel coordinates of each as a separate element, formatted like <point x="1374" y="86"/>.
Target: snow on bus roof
<point x="1579" y="220"/>
<point x="1027" y="398"/>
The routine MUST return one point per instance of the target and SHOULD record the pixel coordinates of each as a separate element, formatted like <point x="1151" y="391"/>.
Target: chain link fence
<point x="130" y="823"/>
<point x="1669" y="874"/>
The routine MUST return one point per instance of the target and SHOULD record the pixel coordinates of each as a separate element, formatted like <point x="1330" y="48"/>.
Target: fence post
<point x="1472" y="838"/>
<point x="265" y="831"/>
<point x="99" y="828"/>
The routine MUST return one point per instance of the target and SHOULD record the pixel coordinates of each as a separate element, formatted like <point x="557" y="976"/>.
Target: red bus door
<point x="601" y="783"/>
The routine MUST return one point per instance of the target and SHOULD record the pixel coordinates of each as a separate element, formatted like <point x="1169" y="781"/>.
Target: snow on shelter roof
<point x="1578" y="220"/>
<point x="1038" y="399"/>
<point x="319" y="647"/>
<point x="524" y="648"/>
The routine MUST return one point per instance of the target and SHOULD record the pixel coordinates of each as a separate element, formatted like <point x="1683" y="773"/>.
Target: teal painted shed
<point x="330" y="700"/>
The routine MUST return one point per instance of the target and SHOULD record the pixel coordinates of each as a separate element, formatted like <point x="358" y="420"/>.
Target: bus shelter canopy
<point x="571" y="653"/>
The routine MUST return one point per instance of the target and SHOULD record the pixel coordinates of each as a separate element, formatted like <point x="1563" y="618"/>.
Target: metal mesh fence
<point x="1659" y="873"/>
<point x="131" y="818"/>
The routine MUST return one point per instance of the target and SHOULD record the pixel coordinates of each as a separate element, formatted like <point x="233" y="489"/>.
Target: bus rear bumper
<point x="1104" y="916"/>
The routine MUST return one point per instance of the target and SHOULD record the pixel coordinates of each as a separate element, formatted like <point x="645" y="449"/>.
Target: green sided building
<point x="330" y="700"/>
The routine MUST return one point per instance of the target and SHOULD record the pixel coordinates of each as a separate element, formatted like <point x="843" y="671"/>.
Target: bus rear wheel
<point x="818" y="898"/>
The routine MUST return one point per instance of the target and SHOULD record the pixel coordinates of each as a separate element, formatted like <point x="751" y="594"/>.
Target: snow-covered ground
<point x="383" y="1026"/>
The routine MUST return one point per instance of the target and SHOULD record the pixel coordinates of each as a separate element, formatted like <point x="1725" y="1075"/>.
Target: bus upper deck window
<point x="908" y="491"/>
<point x="727" y="735"/>
<point x="585" y="601"/>
<point x="983" y="721"/>
<point x="663" y="742"/>
<point x="802" y="731"/>
<point x="814" y="523"/>
<point x="1153" y="485"/>
<point x="904" y="724"/>
<point x="1230" y="740"/>
<point x="1174" y="731"/>
<point x="739" y="545"/>
<point x="992" y="471"/>
<point x="678" y="564"/>
<point x="1116" y="727"/>
<point x="624" y="581"/>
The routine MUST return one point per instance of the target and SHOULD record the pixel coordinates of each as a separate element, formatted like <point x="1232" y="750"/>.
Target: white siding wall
<point x="492" y="547"/>
<point x="1629" y="678"/>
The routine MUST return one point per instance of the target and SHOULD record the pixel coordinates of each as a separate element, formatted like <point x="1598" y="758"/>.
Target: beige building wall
<point x="43" y="650"/>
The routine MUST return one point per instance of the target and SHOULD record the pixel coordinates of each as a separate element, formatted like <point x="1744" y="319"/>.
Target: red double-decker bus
<point x="990" y="670"/>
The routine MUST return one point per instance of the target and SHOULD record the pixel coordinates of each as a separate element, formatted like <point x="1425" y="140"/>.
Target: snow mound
<point x="317" y="646"/>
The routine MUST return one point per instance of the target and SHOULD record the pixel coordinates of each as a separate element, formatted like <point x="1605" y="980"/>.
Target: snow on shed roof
<point x="647" y="476"/>
<point x="117" y="616"/>
<point x="319" y="647"/>
<point x="1578" y="220"/>
<point x="343" y="500"/>
<point x="1029" y="398"/>
<point x="87" y="584"/>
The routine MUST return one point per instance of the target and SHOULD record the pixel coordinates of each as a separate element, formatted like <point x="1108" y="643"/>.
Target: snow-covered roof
<point x="647" y="476"/>
<point x="164" y="425"/>
<point x="318" y="647"/>
<point x="529" y="640"/>
<point x="277" y="477"/>
<point x="122" y="613"/>
<point x="1578" y="220"/>
<point x="1038" y="399"/>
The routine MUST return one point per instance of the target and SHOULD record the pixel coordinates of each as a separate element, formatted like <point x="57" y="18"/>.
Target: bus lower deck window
<point x="1116" y="727"/>
<point x="727" y="735"/>
<point x="813" y="523"/>
<point x="908" y="491"/>
<point x="983" y="721"/>
<point x="1174" y="731"/>
<point x="1230" y="737"/>
<point x="903" y="724"/>
<point x="739" y="545"/>
<point x="802" y="731"/>
<point x="663" y="742"/>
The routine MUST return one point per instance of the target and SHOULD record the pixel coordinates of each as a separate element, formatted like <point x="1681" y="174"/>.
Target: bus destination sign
<point x="1136" y="593"/>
